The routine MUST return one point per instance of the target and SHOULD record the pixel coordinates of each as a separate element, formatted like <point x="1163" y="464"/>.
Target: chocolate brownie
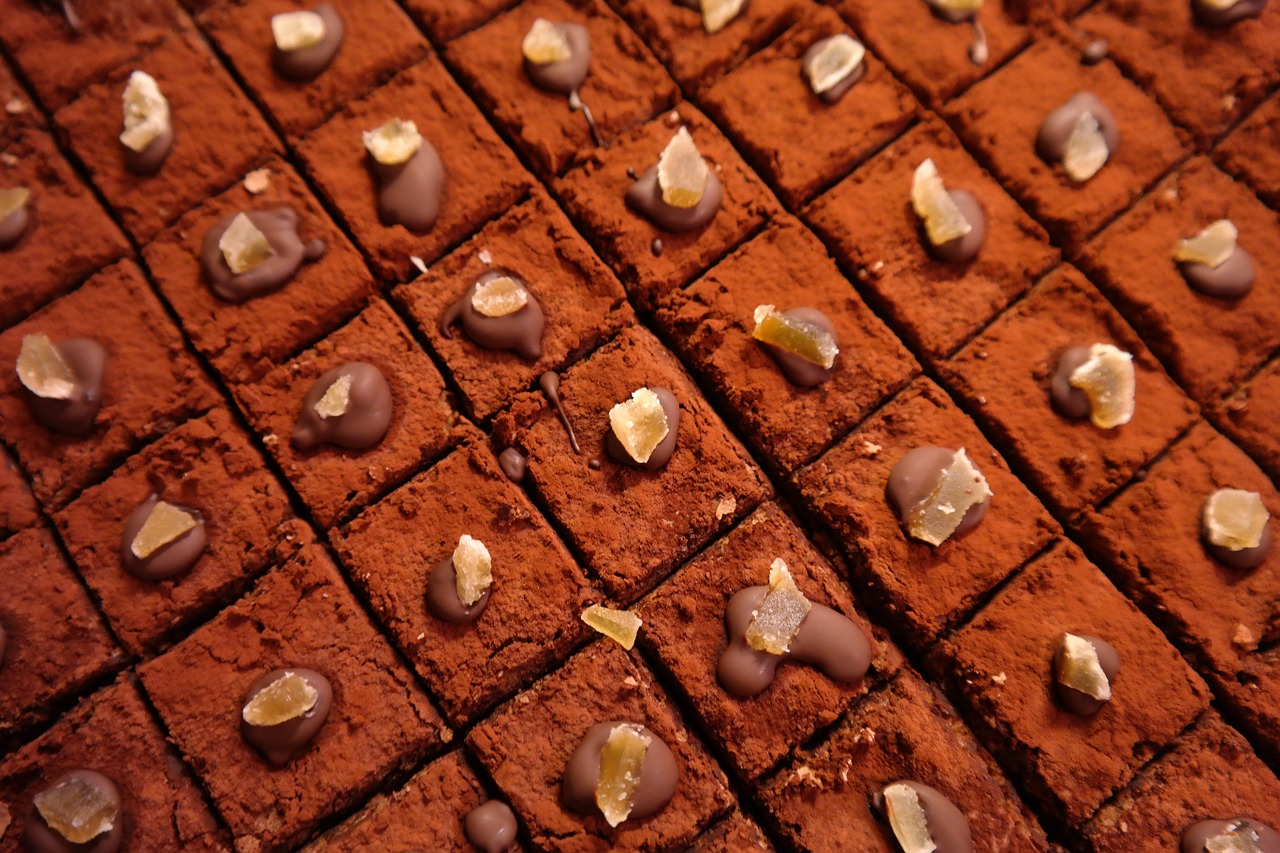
<point x="1247" y="416"/>
<point x="1252" y="151"/>
<point x="17" y="504"/>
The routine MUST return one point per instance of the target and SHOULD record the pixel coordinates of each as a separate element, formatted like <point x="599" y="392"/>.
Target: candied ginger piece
<point x="943" y="221"/>
<point x="1086" y="151"/>
<point x="285" y="699"/>
<point x="682" y="173"/>
<point x="13" y="199"/>
<point x="76" y="810"/>
<point x="1235" y="519"/>
<point x="962" y="487"/>
<point x="956" y="5"/>
<point x="296" y="30"/>
<point x="640" y="424"/>
<point x="1081" y="669"/>
<point x="1107" y="378"/>
<point x="806" y="340"/>
<point x="43" y="371"/>
<point x="1212" y="246"/>
<point x="716" y="14"/>
<point x="473" y="569"/>
<point x="620" y="626"/>
<point x="839" y="56"/>
<point x="164" y="524"/>
<point x="778" y="620"/>
<point x="498" y="297"/>
<point x="243" y="245"/>
<point x="394" y="142"/>
<point x="907" y="819"/>
<point x="545" y="43"/>
<point x="336" y="399"/>
<point x="621" y="761"/>
<point x="146" y="112"/>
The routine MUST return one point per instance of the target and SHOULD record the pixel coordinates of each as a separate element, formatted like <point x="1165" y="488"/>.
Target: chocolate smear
<point x="306" y="63"/>
<point x="662" y="453"/>
<point x="965" y="247"/>
<point x="491" y="826"/>
<point x="549" y="382"/>
<point x="39" y="837"/>
<point x="1231" y="279"/>
<point x="74" y="416"/>
<point x="13" y="226"/>
<point x="948" y="827"/>
<point x="659" y="774"/>
<point x="409" y="193"/>
<point x="367" y="415"/>
<point x="281" y="742"/>
<point x="1069" y="401"/>
<point x="645" y="197"/>
<point x="1055" y="130"/>
<point x="1076" y="701"/>
<point x="513" y="463"/>
<point x="288" y="252"/>
<point x="442" y="595"/>
<point x="520" y="331"/>
<point x="1243" y="830"/>
<point x="1212" y="15"/>
<point x="915" y="478"/>
<point x="171" y="559"/>
<point x="149" y="160"/>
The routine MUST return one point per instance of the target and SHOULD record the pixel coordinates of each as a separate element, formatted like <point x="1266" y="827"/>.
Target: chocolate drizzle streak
<point x="549" y="382"/>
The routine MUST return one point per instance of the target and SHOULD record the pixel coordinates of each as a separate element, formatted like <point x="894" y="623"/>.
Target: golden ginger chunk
<point x="943" y="221"/>
<point x="640" y="424"/>
<point x="682" y="173"/>
<point x="146" y="112"/>
<point x="296" y="30"/>
<point x="1081" y="669"/>
<point x="962" y="487"/>
<point x="394" y="142"/>
<point x="1211" y="247"/>
<point x="545" y="43"/>
<point x="76" y="810"/>
<point x="498" y="297"/>
<point x="13" y="199"/>
<point x="473" y="569"/>
<point x="42" y="369"/>
<point x="164" y="524"/>
<point x="806" y="340"/>
<point x="621" y="760"/>
<point x="1107" y="378"/>
<point x="243" y="245"/>
<point x="621" y="626"/>
<point x="1235" y="519"/>
<point x="839" y="56"/>
<point x="1086" y="151"/>
<point x="907" y="819"/>
<point x="716" y="14"/>
<point x="336" y="399"/>
<point x="778" y="620"/>
<point x="286" y="698"/>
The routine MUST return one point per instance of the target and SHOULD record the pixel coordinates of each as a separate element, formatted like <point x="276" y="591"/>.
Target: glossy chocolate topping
<point x="409" y="192"/>
<point x="1055" y="130"/>
<point x="645" y="197"/>
<point x="1075" y="701"/>
<point x="513" y="464"/>
<point x="75" y="415"/>
<point x="659" y="774"/>
<point x="366" y="419"/>
<point x="520" y="331"/>
<point x="1231" y="279"/>
<point x="1243" y="559"/>
<point x="442" y="595"/>
<point x="306" y="63"/>
<point x="1197" y="837"/>
<point x="549" y="382"/>
<point x="799" y="370"/>
<point x="1069" y="401"/>
<point x="966" y="247"/>
<point x="948" y="827"/>
<point x="836" y="92"/>
<point x="279" y="743"/>
<point x="39" y="837"/>
<point x="662" y="453"/>
<point x="171" y="559"/>
<point x="1211" y="16"/>
<point x="13" y="226"/>
<point x="149" y="160"/>
<point x="916" y="476"/>
<point x="288" y="252"/>
<point x="567" y="75"/>
<point x="491" y="826"/>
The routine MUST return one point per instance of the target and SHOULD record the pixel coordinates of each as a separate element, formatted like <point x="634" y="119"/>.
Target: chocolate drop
<point x="567" y="75"/>
<point x="593" y="464"/>
<point x="662" y="453"/>
<point x="409" y="192"/>
<point x="836" y="92"/>
<point x="659" y="774"/>
<point x="169" y="561"/>
<point x="645" y="197"/>
<point x="368" y="412"/>
<point x="491" y="826"/>
<point x="1069" y="401"/>
<point x="442" y="596"/>
<point x="1231" y="279"/>
<point x="549" y="382"/>
<point x="1078" y="703"/>
<point x="149" y="160"/>
<point x="39" y="837"/>
<point x="306" y="63"/>
<point x="13" y="226"/>
<point x="948" y="827"/>
<point x="281" y="742"/>
<point x="288" y="252"/>
<point x="520" y="331"/>
<point x="1210" y="16"/>
<point x="1243" y="559"/>
<point x="1055" y="130"/>
<point x="656" y="247"/>
<point x="513" y="464"/>
<point x="75" y="415"/>
<point x="799" y="370"/>
<point x="965" y="247"/>
<point x="1198" y="836"/>
<point x="916" y="476"/>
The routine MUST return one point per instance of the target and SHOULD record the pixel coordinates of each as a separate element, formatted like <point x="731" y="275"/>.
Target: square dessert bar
<point x="218" y="135"/>
<point x="300" y="615"/>
<point x="684" y="625"/>
<point x="1252" y="151"/>
<point x="1001" y="663"/>
<point x="917" y="589"/>
<point x="1248" y="416"/>
<point x="711" y="323"/>
<point x="1209" y="344"/>
<point x="651" y="261"/>
<point x="378" y="40"/>
<point x="526" y="744"/>
<point x="906" y="731"/>
<point x="113" y="733"/>
<point x="150" y="384"/>
<point x="869" y="223"/>
<point x="631" y="526"/>
<point x="625" y="85"/>
<point x="243" y="340"/>
<point x="1003" y="377"/>
<point x="531" y="619"/>
<point x="68" y="235"/>
<point x="1001" y="117"/>
<point x="17" y="504"/>
<point x="482" y="177"/>
<point x="582" y="301"/>
<point x="335" y="482"/>
<point x="206" y="465"/>
<point x="55" y="643"/>
<point x="445" y="20"/>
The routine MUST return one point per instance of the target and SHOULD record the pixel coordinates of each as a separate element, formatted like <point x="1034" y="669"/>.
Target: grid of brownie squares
<point x="1251" y="152"/>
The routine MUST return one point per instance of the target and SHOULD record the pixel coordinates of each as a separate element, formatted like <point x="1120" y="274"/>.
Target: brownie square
<point x="625" y="85"/>
<point x="244" y="340"/>
<point x="69" y="237"/>
<point x="17" y="504"/>
<point x="113" y="732"/>
<point x="920" y="590"/>
<point x="445" y="20"/>
<point x="936" y="305"/>
<point x="684" y="626"/>
<point x="711" y="324"/>
<point x="1210" y="773"/>
<point x="55" y="642"/>
<point x="1001" y="116"/>
<point x="526" y="744"/>
<point x="1206" y="77"/>
<point x="1209" y="345"/>
<point x="582" y="300"/>
<point x="532" y="617"/>
<point x="301" y="614"/>
<point x="207" y="465"/>
<point x="1248" y="416"/>
<point x="1003" y="377"/>
<point x="801" y="144"/>
<point x="379" y="40"/>
<point x="631" y="527"/>
<point x="218" y="135"/>
<point x="1252" y="151"/>
<point x="483" y="180"/>
<point x="151" y="382"/>
<point x="594" y="194"/>
<point x="335" y="482"/>
<point x="906" y="731"/>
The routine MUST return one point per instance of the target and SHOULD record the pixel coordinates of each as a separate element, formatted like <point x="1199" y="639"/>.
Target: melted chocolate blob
<point x="149" y="160"/>
<point x="659" y="774"/>
<point x="442" y="595"/>
<point x="965" y="247"/>
<point x="1210" y="16"/>
<point x="915" y="477"/>
<point x="306" y="63"/>
<point x="1069" y="401"/>
<point x="645" y="197"/>
<point x="827" y="639"/>
<point x="288" y="252"/>
<point x="13" y="226"/>
<point x="656" y="247"/>
<point x="39" y="837"/>
<point x="1231" y="279"/>
<point x="1243" y="559"/>
<point x="366" y="419"/>
<point x="281" y="742"/>
<point x="549" y="382"/>
<point x="662" y="453"/>
<point x="836" y="92"/>
<point x="948" y="827"/>
<point x="75" y="415"/>
<point x="1197" y="837"/>
<point x="168" y="561"/>
<point x="409" y="192"/>
<point x="1078" y="703"/>
<point x="1055" y="130"/>
<point x="520" y="331"/>
<point x="491" y="826"/>
<point x="513" y="464"/>
<point x="799" y="370"/>
<point x="567" y="75"/>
